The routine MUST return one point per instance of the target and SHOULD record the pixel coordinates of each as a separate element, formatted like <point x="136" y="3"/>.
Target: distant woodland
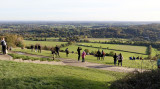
<point x="138" y="32"/>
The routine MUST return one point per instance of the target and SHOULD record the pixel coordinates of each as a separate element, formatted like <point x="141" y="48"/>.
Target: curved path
<point x="71" y="62"/>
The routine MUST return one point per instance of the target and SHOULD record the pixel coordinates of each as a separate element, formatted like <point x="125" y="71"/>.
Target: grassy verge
<point x="23" y="57"/>
<point x="15" y="75"/>
<point x="43" y="43"/>
<point x="146" y="64"/>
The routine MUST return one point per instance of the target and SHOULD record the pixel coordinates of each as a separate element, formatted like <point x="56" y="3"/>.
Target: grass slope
<point x="43" y="43"/>
<point x="15" y="75"/>
<point x="108" y="60"/>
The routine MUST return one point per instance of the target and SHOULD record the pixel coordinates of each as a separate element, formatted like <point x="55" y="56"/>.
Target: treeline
<point x="148" y="32"/>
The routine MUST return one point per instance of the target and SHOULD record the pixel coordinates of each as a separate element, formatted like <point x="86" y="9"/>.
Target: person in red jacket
<point x="83" y="56"/>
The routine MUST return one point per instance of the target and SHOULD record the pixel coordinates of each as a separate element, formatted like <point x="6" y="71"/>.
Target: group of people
<point x="100" y="54"/>
<point x="119" y="58"/>
<point x="55" y="51"/>
<point x="79" y="54"/>
<point x="134" y="58"/>
<point x="36" y="47"/>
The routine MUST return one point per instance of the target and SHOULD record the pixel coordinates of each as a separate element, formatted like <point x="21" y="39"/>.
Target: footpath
<point x="71" y="62"/>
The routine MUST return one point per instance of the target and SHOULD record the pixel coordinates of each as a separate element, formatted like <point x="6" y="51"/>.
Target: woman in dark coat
<point x="67" y="52"/>
<point x="98" y="55"/>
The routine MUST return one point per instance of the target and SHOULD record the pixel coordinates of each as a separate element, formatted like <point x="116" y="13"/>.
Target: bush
<point x="111" y="53"/>
<point x="145" y="80"/>
<point x="87" y="51"/>
<point x="107" y="54"/>
<point x="93" y="53"/>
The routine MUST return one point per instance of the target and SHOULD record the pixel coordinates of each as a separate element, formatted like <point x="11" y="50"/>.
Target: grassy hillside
<point x="90" y="58"/>
<point x="43" y="43"/>
<point x="129" y="48"/>
<point x="15" y="75"/>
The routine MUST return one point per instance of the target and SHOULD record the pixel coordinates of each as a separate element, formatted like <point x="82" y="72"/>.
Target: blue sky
<point x="80" y="10"/>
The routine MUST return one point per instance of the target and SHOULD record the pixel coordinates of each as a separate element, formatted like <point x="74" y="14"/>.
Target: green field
<point x="43" y="43"/>
<point x="129" y="48"/>
<point x="14" y="75"/>
<point x="90" y="58"/>
<point x="126" y="50"/>
<point x="104" y="39"/>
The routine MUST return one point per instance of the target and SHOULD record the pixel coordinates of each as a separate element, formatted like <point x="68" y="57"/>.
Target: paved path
<point x="72" y="62"/>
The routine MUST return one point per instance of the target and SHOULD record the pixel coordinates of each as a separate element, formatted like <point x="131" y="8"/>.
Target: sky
<point x="79" y="10"/>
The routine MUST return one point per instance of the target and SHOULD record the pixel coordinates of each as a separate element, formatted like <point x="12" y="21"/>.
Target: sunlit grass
<point x="90" y="58"/>
<point x="15" y="75"/>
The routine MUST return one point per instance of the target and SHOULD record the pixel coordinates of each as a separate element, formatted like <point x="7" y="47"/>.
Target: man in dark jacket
<point x="36" y="48"/>
<point x="79" y="52"/>
<point x="57" y="50"/>
<point x="4" y="46"/>
<point x="67" y="52"/>
<point x="98" y="55"/>
<point x="39" y="48"/>
<point x="115" y="59"/>
<point x="32" y="47"/>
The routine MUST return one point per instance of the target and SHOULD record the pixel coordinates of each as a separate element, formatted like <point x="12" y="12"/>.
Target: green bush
<point x="86" y="50"/>
<point x="145" y="80"/>
<point x="111" y="53"/>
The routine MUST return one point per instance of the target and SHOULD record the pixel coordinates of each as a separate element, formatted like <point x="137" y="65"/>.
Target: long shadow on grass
<point x="114" y="49"/>
<point x="60" y="82"/>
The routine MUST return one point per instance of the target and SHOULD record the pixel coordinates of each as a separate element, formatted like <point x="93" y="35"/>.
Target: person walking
<point x="115" y="58"/>
<point x="53" y="53"/>
<point x="67" y="52"/>
<point x="98" y="55"/>
<point x="79" y="52"/>
<point x="120" y="58"/>
<point x="36" y="48"/>
<point x="4" y="45"/>
<point x="39" y="48"/>
<point x="32" y="47"/>
<point x="83" y="56"/>
<point x="57" y="50"/>
<point x="102" y="55"/>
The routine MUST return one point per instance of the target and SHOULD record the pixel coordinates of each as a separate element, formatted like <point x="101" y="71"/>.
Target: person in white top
<point x="3" y="43"/>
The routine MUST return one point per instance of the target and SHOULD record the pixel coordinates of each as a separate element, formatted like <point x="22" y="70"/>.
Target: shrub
<point x="111" y="53"/>
<point x="107" y="54"/>
<point x="145" y="80"/>
<point x="86" y="50"/>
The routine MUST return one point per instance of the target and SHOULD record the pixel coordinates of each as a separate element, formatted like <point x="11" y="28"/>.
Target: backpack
<point x="3" y="43"/>
<point x="103" y="53"/>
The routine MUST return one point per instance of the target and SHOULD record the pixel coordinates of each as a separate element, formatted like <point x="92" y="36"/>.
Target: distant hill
<point x="130" y="30"/>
